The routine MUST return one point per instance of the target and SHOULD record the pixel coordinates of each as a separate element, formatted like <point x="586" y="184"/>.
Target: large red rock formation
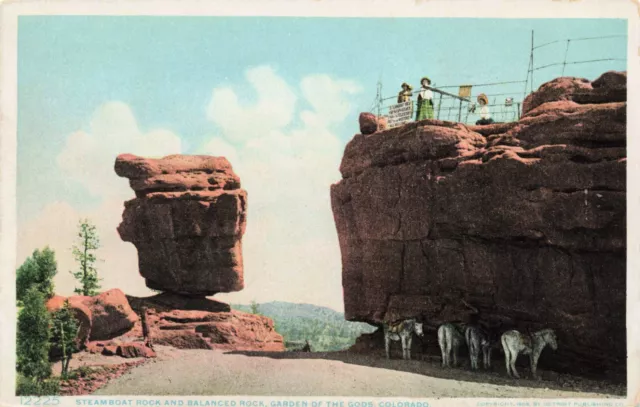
<point x="522" y="224"/>
<point x="204" y="324"/>
<point x="186" y="221"/>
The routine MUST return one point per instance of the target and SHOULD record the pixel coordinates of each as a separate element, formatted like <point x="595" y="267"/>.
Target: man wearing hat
<point x="425" y="100"/>
<point x="485" y="116"/>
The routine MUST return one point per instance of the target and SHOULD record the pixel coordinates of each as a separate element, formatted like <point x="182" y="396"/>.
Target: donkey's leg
<point x="409" y="340"/>
<point x="514" y="357"/>
<point x="403" y="341"/>
<point x="470" y="346"/>
<point x="455" y="356"/>
<point x="441" y="342"/>
<point x="534" y="364"/>
<point x="507" y="355"/>
<point x="386" y="343"/>
<point x="507" y="360"/>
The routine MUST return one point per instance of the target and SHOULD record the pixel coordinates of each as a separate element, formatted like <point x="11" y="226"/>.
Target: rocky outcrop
<point x="370" y="123"/>
<point x="195" y="327"/>
<point x="104" y="316"/>
<point x="186" y="221"/>
<point x="609" y="87"/>
<point x="522" y="225"/>
<point x="80" y="311"/>
<point x="111" y="315"/>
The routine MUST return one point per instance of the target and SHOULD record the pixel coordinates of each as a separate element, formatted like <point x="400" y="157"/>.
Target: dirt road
<point x="204" y="372"/>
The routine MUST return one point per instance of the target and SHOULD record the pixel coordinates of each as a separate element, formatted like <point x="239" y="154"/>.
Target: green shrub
<point x="37" y="271"/>
<point x="33" y="337"/>
<point x="26" y="386"/>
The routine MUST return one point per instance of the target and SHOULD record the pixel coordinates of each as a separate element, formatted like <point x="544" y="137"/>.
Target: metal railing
<point x="464" y="109"/>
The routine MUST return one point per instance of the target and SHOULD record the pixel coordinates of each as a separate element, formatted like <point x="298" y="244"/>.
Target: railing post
<point x="518" y="110"/>
<point x="460" y="111"/>
<point x="439" y="104"/>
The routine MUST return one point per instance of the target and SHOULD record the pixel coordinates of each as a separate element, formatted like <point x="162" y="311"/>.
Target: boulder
<point x="370" y="123"/>
<point x="186" y="221"/>
<point x="523" y="226"/>
<point x="609" y="87"/>
<point x="111" y="314"/>
<point x="135" y="350"/>
<point x="81" y="312"/>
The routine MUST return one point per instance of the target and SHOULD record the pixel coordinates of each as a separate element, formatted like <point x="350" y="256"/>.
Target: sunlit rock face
<point x="186" y="221"/>
<point x="523" y="221"/>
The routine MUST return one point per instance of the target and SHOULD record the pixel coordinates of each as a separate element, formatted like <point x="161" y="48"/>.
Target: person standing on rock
<point x="485" y="115"/>
<point x="425" y="100"/>
<point x="405" y="94"/>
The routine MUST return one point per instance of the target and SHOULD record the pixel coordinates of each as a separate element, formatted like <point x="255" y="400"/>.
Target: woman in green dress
<point x="425" y="100"/>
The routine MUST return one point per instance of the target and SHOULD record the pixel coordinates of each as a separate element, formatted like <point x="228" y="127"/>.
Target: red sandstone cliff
<point x="524" y="221"/>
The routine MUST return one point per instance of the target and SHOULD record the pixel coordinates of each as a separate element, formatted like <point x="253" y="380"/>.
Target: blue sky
<point x="110" y="80"/>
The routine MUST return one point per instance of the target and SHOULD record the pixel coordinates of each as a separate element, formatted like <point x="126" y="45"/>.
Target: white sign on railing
<point x="400" y="114"/>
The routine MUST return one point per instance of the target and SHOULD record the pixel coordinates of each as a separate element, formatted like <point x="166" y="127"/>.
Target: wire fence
<point x="505" y="97"/>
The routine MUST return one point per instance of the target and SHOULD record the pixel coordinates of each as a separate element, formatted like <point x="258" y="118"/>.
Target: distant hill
<point x="326" y="329"/>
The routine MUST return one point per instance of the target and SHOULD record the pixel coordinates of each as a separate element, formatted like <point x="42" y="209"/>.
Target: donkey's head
<point x="550" y="338"/>
<point x="418" y="328"/>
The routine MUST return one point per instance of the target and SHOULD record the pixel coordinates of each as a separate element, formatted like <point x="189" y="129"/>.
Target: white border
<point x="10" y="10"/>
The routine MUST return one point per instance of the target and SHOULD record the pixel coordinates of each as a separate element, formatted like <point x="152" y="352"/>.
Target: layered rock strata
<point x="186" y="221"/>
<point x="205" y="324"/>
<point x="522" y="224"/>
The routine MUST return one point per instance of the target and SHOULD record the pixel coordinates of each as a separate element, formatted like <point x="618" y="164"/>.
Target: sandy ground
<point x="205" y="372"/>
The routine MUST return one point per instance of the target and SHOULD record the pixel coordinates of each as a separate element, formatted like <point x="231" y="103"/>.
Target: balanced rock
<point x="523" y="224"/>
<point x="186" y="221"/>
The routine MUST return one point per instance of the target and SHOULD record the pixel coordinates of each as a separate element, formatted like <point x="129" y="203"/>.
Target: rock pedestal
<point x="524" y="221"/>
<point x="186" y="221"/>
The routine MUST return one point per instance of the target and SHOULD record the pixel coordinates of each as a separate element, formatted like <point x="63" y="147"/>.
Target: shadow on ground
<point x="430" y="365"/>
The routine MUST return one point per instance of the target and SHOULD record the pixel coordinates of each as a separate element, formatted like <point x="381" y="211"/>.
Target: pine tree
<point x="33" y="337"/>
<point x="64" y="329"/>
<point x="84" y="253"/>
<point x="37" y="271"/>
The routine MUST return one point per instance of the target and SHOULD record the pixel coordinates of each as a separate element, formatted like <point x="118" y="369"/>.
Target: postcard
<point x="319" y="204"/>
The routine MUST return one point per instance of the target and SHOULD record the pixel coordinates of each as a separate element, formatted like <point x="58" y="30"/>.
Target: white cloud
<point x="328" y="97"/>
<point x="89" y="158"/>
<point x="286" y="155"/>
<point x="290" y="247"/>
<point x="273" y="109"/>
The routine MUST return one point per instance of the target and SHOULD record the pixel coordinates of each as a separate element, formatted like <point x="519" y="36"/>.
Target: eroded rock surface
<point x="103" y="316"/>
<point x="195" y="327"/>
<point x="186" y="221"/>
<point x="525" y="222"/>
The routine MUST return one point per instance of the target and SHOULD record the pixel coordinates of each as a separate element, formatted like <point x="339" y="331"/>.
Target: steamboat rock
<point x="186" y="221"/>
<point x="523" y="221"/>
